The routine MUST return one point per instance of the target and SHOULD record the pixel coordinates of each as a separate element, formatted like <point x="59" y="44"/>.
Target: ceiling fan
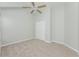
<point x="36" y="8"/>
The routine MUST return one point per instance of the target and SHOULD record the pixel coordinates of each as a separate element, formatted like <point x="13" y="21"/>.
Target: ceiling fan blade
<point x="32" y="11"/>
<point x="33" y="4"/>
<point x="39" y="11"/>
<point x="41" y="6"/>
<point x="26" y="7"/>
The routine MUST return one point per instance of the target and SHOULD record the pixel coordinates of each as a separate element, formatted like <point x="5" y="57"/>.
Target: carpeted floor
<point x="37" y="48"/>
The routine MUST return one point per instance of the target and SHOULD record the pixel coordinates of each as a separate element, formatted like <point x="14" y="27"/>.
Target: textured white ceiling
<point x="17" y="4"/>
<point x="14" y="4"/>
<point x="27" y="4"/>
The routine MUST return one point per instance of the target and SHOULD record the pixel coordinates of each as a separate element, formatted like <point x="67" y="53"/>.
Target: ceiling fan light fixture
<point x="36" y="8"/>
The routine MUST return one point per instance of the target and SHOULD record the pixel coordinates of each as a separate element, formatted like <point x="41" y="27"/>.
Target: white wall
<point x="78" y="26"/>
<point x="0" y="27"/>
<point x="0" y="32"/>
<point x="65" y="24"/>
<point x="58" y="22"/>
<point x="50" y="24"/>
<point x="17" y="24"/>
<point x="71" y="24"/>
<point x="42" y="25"/>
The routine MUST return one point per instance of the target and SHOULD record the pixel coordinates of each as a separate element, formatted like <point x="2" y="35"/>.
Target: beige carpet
<point x="37" y="48"/>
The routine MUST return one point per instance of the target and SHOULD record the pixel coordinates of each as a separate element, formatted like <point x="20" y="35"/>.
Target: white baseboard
<point x="67" y="46"/>
<point x="22" y="41"/>
<point x="58" y="42"/>
<point x="15" y="42"/>
<point x="45" y="40"/>
<point x="63" y="44"/>
<point x="72" y="48"/>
